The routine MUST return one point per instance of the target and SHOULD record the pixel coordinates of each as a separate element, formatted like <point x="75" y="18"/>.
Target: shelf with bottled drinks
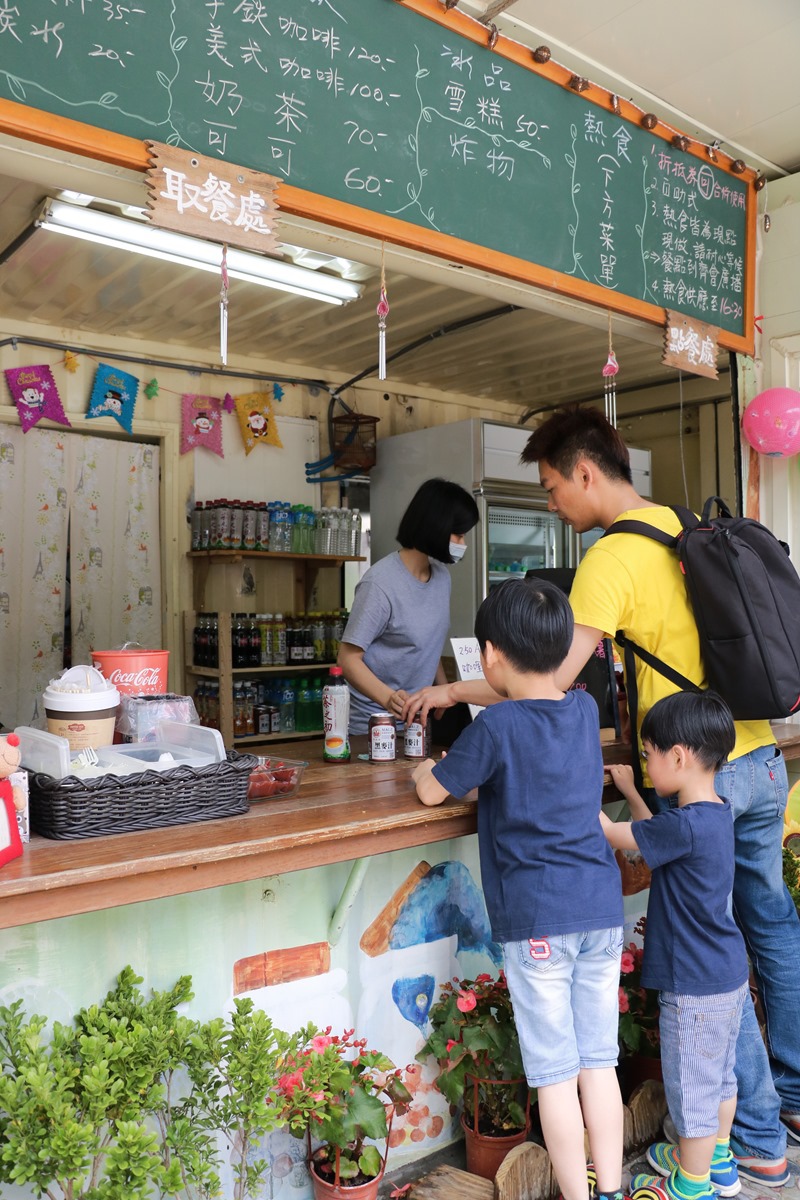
<point x="258" y="678"/>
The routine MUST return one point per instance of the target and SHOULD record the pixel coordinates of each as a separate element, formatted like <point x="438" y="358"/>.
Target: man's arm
<point x="584" y="644"/>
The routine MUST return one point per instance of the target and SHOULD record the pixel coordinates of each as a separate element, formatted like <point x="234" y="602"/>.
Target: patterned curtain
<point x="100" y="496"/>
<point x="33" y="557"/>
<point x="115" y="548"/>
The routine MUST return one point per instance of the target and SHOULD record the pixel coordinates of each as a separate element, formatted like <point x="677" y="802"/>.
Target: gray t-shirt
<point x="400" y="623"/>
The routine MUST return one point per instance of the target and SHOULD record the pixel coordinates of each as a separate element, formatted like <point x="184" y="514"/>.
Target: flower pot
<point x="342" y="1191"/>
<point x="485" y="1153"/>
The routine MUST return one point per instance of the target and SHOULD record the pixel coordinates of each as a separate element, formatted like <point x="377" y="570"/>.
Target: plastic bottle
<point x="205" y="526"/>
<point x="288" y="700"/>
<point x="279" y="641"/>
<point x="223" y="525"/>
<point x="317" y="712"/>
<point x="318" y="637"/>
<point x="254" y="639"/>
<point x="355" y="534"/>
<point x="265" y="624"/>
<point x="336" y="717"/>
<point x="239" y="719"/>
<point x="212" y="658"/>
<point x="237" y="525"/>
<point x="304" y="712"/>
<point x="249" y="522"/>
<point x="262" y="527"/>
<point x="197" y="524"/>
<point x="275" y="511"/>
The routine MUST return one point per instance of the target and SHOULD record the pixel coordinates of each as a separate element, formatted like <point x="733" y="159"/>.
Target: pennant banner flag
<point x="201" y="424"/>
<point x="257" y="420"/>
<point x="35" y="395"/>
<point x="114" y="395"/>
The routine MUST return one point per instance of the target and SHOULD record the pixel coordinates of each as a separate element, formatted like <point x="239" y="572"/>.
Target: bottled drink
<point x="333" y="531"/>
<point x="237" y="525"/>
<point x="262" y="527"/>
<point x="317" y="710"/>
<point x="318" y="637"/>
<point x="265" y="628"/>
<point x="355" y="534"/>
<point x="206" y="514"/>
<point x="249" y="709"/>
<point x="275" y="518"/>
<point x="249" y="521"/>
<point x="223" y="525"/>
<point x="254" y="643"/>
<point x="197" y="523"/>
<point x="336" y="717"/>
<point x="197" y="643"/>
<point x="213" y="522"/>
<point x="294" y="641"/>
<point x="279" y="641"/>
<point x="199" y="697"/>
<point x="212" y="655"/>
<point x="288" y="700"/>
<point x="239" y="717"/>
<point x="304" y="712"/>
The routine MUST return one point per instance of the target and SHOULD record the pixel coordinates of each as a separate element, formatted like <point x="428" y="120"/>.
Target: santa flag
<point x="257" y="420"/>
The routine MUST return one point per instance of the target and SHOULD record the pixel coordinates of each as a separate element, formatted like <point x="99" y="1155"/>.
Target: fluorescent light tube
<point x="140" y="237"/>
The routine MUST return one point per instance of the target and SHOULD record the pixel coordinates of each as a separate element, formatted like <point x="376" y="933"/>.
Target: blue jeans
<point x="757" y="788"/>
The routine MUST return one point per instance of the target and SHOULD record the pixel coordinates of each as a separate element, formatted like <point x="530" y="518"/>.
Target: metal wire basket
<point x="354" y="442"/>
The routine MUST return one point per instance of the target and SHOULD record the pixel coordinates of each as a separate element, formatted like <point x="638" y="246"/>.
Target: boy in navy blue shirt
<point x="551" y="883"/>
<point x="694" y="953"/>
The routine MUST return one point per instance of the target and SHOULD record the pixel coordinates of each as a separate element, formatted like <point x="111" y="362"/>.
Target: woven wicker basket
<point x="73" y="808"/>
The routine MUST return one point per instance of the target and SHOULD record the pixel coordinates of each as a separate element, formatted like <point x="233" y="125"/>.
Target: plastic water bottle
<point x="336" y="717"/>
<point x="288" y="701"/>
<point x="305" y="707"/>
<point x="355" y="533"/>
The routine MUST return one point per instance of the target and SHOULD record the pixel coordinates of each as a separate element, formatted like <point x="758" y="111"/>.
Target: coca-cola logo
<point x="147" y="677"/>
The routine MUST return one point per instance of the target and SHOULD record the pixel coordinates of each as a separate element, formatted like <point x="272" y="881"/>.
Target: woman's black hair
<point x="438" y="509"/>
<point x="530" y="623"/>
<point x="699" y="721"/>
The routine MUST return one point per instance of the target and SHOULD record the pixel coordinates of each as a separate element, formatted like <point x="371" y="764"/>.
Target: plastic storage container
<point x="275" y="778"/>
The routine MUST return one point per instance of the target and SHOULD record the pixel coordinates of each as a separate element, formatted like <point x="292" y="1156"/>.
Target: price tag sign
<point x="468" y="664"/>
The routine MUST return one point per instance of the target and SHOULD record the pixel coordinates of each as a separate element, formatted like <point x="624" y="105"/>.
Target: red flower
<point x="627" y="962"/>
<point x="450" y="1045"/>
<point x="288" y="1083"/>
<point x="319" y="1043"/>
<point x="466" y="1002"/>
<point x="483" y="979"/>
<point x="624" y="1006"/>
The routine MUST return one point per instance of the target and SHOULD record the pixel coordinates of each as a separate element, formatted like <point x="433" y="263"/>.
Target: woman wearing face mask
<point x="393" y="641"/>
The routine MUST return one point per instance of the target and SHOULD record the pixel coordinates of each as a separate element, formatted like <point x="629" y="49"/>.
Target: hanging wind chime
<point x="223" y="309"/>
<point x="383" y="311"/>
<point x="610" y="371"/>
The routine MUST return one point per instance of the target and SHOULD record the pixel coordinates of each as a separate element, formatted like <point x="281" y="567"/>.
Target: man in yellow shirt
<point x="630" y="583"/>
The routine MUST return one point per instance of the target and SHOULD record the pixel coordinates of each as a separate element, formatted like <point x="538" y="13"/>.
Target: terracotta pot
<point x="484" y="1153"/>
<point x="341" y="1191"/>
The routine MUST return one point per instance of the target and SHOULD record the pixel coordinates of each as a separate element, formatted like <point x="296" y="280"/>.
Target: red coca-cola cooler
<point x="133" y="670"/>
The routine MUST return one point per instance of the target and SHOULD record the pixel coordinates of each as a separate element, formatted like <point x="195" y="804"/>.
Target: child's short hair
<point x="530" y="623"/>
<point x="700" y="721"/>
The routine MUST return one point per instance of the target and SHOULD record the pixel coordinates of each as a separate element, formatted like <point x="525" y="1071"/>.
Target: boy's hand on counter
<point x="429" y="790"/>
<point x="622" y="778"/>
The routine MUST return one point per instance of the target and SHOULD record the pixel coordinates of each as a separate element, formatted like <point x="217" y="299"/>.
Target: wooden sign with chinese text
<point x="217" y="201"/>
<point x="690" y="345"/>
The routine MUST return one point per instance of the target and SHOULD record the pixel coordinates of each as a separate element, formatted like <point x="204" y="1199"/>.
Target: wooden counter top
<point x="342" y="812"/>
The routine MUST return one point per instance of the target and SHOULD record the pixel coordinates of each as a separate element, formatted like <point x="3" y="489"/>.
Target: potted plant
<point x="791" y="868"/>
<point x="638" y="1017"/>
<point x="474" y="1041"/>
<point x="344" y="1096"/>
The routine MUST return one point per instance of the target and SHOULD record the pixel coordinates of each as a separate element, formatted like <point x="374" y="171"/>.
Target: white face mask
<point x="457" y="550"/>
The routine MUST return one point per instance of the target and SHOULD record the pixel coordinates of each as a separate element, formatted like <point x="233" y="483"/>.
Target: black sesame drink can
<point x="382" y="737"/>
<point x="417" y="741"/>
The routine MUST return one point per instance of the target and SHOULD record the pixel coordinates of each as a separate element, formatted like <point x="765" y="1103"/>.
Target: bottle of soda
<point x="336" y="717"/>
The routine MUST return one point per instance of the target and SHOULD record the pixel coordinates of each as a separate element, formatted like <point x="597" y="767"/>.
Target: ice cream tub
<point x="81" y="706"/>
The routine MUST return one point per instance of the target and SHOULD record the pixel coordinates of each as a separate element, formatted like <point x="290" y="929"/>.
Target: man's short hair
<point x="573" y="433"/>
<point x="437" y="510"/>
<point x="529" y="622"/>
<point x="699" y="721"/>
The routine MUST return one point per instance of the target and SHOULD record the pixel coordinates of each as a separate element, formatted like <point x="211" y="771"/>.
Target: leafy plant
<point x="131" y="1100"/>
<point x="338" y="1091"/>
<point x="473" y="1037"/>
<point x="791" y="875"/>
<point x="638" y="1006"/>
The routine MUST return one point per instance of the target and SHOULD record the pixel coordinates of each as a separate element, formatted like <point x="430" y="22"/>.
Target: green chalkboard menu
<point x="372" y="103"/>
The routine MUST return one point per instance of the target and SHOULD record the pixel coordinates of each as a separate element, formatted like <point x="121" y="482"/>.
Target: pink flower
<point x="624" y="1005"/>
<point x="318" y="1096"/>
<point x="319" y="1043"/>
<point x="483" y="979"/>
<point x="288" y="1083"/>
<point x="466" y="1002"/>
<point x="627" y="962"/>
<point x="450" y="1045"/>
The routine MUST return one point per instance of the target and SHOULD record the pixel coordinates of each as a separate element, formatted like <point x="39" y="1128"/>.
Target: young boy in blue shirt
<point x="551" y="883"/>
<point x="694" y="953"/>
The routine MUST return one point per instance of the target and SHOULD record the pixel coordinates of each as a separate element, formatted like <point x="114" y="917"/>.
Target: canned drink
<point x="382" y="737"/>
<point x="417" y="739"/>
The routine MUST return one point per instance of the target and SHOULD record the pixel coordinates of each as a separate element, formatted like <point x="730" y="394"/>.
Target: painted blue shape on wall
<point x="414" y="997"/>
<point x="446" y="901"/>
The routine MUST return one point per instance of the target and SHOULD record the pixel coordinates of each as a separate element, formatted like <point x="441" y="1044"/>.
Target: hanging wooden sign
<point x="690" y="345"/>
<point x="205" y="198"/>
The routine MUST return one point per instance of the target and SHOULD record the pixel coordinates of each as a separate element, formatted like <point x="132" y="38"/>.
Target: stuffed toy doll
<point x="11" y="799"/>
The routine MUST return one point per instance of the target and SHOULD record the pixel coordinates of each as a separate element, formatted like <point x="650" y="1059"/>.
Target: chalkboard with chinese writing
<point x="369" y="102"/>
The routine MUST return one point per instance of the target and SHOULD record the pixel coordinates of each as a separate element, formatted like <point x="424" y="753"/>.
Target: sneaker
<point x="791" y="1123"/>
<point x="591" y="1177"/>
<point x="663" y="1157"/>
<point x="769" y="1172"/>
<point x="652" y="1187"/>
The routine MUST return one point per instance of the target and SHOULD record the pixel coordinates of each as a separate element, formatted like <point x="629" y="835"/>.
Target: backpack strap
<point x="648" y="531"/>
<point x="680" y="681"/>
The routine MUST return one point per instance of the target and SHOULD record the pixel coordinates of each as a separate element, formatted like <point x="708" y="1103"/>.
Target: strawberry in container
<point x="275" y="778"/>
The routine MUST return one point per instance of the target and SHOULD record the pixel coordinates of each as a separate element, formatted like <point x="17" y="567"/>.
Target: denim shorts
<point x="565" y="992"/>
<point x="698" y="1055"/>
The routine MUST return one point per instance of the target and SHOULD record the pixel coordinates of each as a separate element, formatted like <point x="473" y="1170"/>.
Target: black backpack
<point x="745" y="596"/>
